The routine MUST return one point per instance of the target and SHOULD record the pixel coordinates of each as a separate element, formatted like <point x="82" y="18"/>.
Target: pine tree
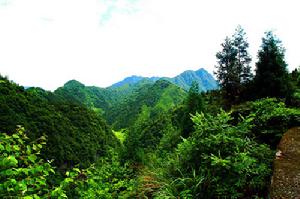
<point x="295" y="77"/>
<point x="194" y="100"/>
<point x="226" y="74"/>
<point x="271" y="79"/>
<point x="243" y="58"/>
<point x="233" y="69"/>
<point x="193" y="104"/>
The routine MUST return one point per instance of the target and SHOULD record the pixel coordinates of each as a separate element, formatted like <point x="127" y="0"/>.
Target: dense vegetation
<point x="147" y="102"/>
<point x="133" y="95"/>
<point x="75" y="134"/>
<point x="167" y="142"/>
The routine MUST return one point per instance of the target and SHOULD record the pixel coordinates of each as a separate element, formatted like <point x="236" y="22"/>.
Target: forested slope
<point x="74" y="133"/>
<point x="145" y="103"/>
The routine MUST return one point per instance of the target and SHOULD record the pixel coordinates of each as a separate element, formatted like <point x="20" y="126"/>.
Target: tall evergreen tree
<point x="295" y="77"/>
<point x="193" y="104"/>
<point x="233" y="69"/>
<point x="194" y="100"/>
<point x="271" y="79"/>
<point x="226" y="73"/>
<point x="243" y="58"/>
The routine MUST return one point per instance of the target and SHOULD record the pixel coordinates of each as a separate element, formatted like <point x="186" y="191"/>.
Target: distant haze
<point x="45" y="43"/>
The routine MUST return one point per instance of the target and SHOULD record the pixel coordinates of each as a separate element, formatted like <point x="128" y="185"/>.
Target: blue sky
<point x="98" y="42"/>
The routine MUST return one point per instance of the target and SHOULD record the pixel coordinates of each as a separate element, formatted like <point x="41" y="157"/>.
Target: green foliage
<point x="152" y="131"/>
<point x="75" y="134"/>
<point x="105" y="179"/>
<point x="233" y="69"/>
<point x="121" y="135"/>
<point x="204" y="80"/>
<point x="243" y="58"/>
<point x="295" y="77"/>
<point x="219" y="160"/>
<point x="93" y="97"/>
<point x="194" y="103"/>
<point x="23" y="172"/>
<point x="271" y="79"/>
<point x="271" y="118"/>
<point x="146" y="103"/>
<point x="295" y="83"/>
<point x="145" y="135"/>
<point x="194" y="100"/>
<point x="121" y="103"/>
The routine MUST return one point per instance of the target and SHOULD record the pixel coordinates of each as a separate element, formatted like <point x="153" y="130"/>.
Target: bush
<point x="105" y="179"/>
<point x="219" y="160"/>
<point x="23" y="172"/>
<point x="271" y="119"/>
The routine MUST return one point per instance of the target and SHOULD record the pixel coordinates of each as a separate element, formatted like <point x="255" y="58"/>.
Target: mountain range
<point x="126" y="101"/>
<point x="184" y="80"/>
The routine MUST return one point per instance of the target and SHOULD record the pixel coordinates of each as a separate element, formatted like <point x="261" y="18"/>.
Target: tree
<point x="233" y="69"/>
<point x="243" y="58"/>
<point x="194" y="99"/>
<point x="295" y="77"/>
<point x="228" y="81"/>
<point x="271" y="79"/>
<point x="194" y="103"/>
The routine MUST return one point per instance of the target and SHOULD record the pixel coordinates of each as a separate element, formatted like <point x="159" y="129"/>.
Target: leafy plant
<point x="105" y="179"/>
<point x="271" y="118"/>
<point x="23" y="172"/>
<point x="219" y="159"/>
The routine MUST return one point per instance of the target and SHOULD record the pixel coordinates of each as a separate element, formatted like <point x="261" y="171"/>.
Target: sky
<point x="45" y="43"/>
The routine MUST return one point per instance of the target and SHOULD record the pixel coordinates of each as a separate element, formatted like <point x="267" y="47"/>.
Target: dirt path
<point x="148" y="183"/>
<point x="286" y="176"/>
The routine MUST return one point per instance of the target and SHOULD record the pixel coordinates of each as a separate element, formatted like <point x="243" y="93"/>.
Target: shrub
<point x="219" y="160"/>
<point x="23" y="172"/>
<point x="271" y="119"/>
<point x="107" y="178"/>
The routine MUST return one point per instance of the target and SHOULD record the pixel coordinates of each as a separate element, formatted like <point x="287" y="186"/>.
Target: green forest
<point x="186" y="137"/>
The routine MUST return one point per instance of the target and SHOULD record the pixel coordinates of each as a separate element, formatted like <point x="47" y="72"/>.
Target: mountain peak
<point x="204" y="79"/>
<point x="74" y="83"/>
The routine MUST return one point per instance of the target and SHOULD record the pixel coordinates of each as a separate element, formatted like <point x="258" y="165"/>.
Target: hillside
<point x="99" y="99"/>
<point x="204" y="79"/>
<point x="124" y="96"/>
<point x="147" y="102"/>
<point x="74" y="133"/>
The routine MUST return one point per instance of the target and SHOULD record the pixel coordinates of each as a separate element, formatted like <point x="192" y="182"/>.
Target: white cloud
<point x="113" y="7"/>
<point x="47" y="42"/>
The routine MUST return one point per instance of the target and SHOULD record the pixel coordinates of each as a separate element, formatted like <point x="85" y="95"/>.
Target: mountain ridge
<point x="128" y="96"/>
<point x="184" y="80"/>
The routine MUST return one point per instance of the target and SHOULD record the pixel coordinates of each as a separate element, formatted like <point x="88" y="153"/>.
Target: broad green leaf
<point x="34" y="147"/>
<point x="12" y="160"/>
<point x="32" y="158"/>
<point x="1" y="147"/>
<point x="28" y="150"/>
